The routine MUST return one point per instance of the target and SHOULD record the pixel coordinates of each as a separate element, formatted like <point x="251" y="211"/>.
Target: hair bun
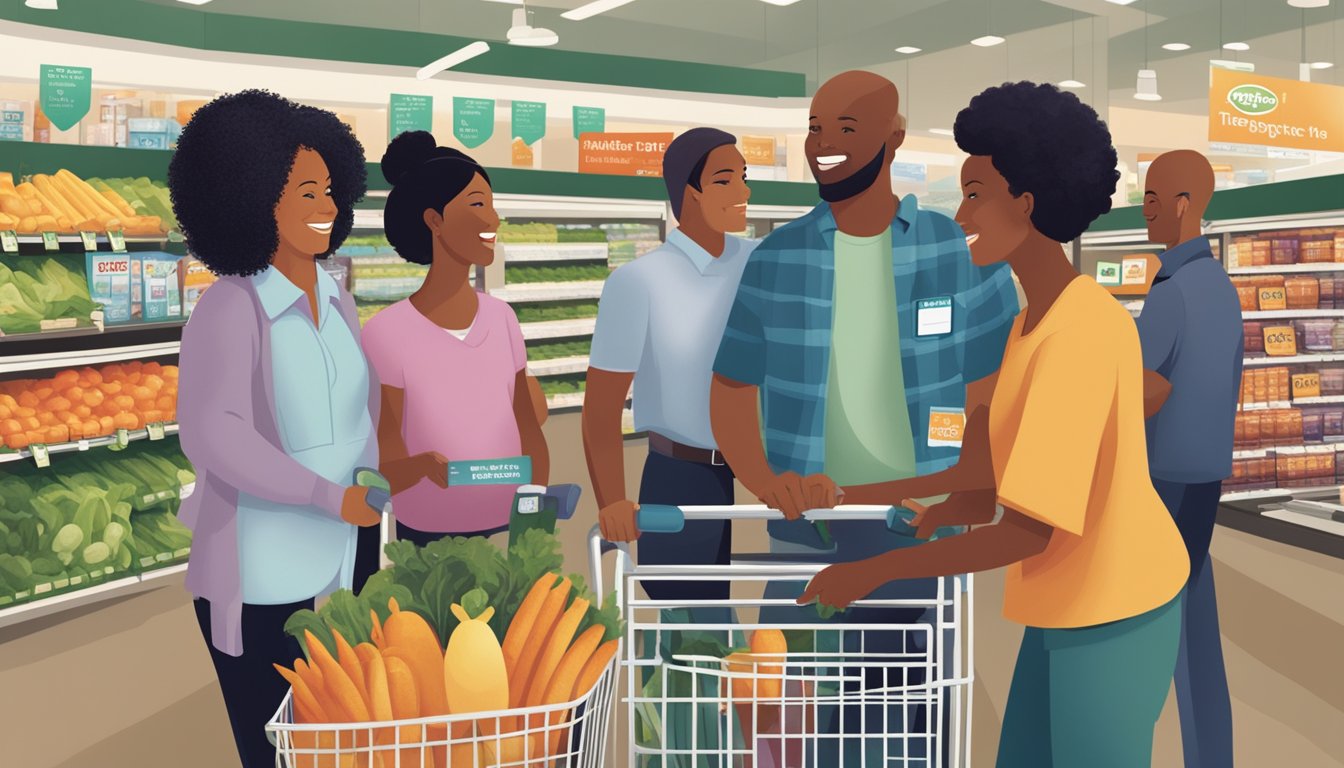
<point x="407" y="152"/>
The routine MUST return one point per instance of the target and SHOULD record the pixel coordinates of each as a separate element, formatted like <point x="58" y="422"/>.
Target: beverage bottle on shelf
<point x="1337" y="336"/>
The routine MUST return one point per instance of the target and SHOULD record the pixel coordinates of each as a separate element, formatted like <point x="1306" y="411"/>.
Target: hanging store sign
<point x="1246" y="108"/>
<point x="473" y="120"/>
<point x="66" y="94"/>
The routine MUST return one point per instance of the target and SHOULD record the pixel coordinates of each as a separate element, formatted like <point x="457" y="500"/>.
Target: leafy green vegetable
<point x="547" y="274"/>
<point x="555" y="310"/>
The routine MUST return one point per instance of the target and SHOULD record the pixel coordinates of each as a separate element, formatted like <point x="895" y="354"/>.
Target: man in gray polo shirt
<point x="659" y="324"/>
<point x="1192" y="351"/>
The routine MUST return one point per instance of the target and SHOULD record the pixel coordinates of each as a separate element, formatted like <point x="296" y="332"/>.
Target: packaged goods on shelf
<point x="152" y="132"/>
<point x="1332" y="381"/>
<point x="193" y="278"/>
<point x="1318" y="250"/>
<point x="86" y="403"/>
<point x="1255" y="337"/>
<point x="1305" y="470"/>
<point x="1327" y="285"/>
<point x="1315" y="335"/>
<point x="110" y="284"/>
<point x="1283" y="251"/>
<point x="1302" y="292"/>
<point x="159" y="293"/>
<point x="64" y="203"/>
<point x="38" y="291"/>
<point x="1249" y="474"/>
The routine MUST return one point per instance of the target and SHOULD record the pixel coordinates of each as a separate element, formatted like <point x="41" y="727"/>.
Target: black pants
<point x="702" y="542"/>
<point x="368" y="555"/>
<point x="421" y="538"/>
<point x="252" y="688"/>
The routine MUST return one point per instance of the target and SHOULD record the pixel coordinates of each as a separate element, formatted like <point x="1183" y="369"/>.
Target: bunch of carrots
<point x="406" y="673"/>
<point x="86" y="403"/>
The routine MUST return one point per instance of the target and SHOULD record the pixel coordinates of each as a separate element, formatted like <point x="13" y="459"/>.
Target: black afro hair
<point x="230" y="169"/>
<point x="424" y="176"/>
<point x="1046" y="142"/>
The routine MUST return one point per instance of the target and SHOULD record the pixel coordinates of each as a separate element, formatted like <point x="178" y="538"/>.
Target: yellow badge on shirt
<point x="946" y="427"/>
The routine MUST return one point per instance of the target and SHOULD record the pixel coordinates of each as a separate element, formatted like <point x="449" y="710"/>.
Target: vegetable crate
<point x="756" y="681"/>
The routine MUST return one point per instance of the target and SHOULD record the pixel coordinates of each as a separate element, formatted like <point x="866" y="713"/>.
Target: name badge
<point x="933" y="317"/>
<point x="946" y="427"/>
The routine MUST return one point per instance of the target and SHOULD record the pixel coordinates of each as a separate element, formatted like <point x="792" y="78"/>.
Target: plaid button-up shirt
<point x="779" y="331"/>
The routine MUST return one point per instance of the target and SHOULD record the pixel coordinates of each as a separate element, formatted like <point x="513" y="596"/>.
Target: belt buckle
<point x="716" y="459"/>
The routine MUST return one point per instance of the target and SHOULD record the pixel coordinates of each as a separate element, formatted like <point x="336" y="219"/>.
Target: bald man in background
<point x="1192" y="340"/>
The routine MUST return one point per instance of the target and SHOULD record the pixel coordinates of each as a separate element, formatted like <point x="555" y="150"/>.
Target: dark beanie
<point x="685" y="160"/>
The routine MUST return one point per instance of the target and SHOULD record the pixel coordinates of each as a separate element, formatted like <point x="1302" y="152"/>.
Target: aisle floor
<point x="128" y="683"/>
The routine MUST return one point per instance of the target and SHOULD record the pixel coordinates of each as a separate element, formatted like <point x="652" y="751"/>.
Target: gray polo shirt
<point x="661" y="318"/>
<point x="1192" y="334"/>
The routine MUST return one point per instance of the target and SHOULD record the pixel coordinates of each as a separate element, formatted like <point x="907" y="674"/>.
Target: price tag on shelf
<point x="9" y="241"/>
<point x="90" y="240"/>
<point x="123" y="438"/>
<point x="41" y="456"/>
<point x="50" y="241"/>
<point x="155" y="430"/>
<point x="1306" y="385"/>
<point x="1273" y="299"/>
<point x="175" y="237"/>
<point x="1280" y="341"/>
<point x="118" y="241"/>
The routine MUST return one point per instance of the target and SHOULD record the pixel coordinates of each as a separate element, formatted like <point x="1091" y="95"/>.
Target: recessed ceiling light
<point x="908" y="49"/>
<point x="590" y="10"/>
<point x="1176" y="47"/>
<point x="1309" y="3"/>
<point x="943" y="131"/>
<point x="1071" y="84"/>
<point x="1237" y="46"/>
<point x="41" y="5"/>
<point x="1122" y="2"/>
<point x="1322" y="64"/>
<point x="780" y="2"/>
<point x="194" y="2"/>
<point x="988" y="41"/>
<point x="462" y="54"/>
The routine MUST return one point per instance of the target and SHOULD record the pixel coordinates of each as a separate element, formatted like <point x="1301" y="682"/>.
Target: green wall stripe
<point x="1284" y="198"/>
<point x="193" y="28"/>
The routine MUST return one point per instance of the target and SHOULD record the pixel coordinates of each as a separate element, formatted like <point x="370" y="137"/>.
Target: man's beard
<point x="856" y="182"/>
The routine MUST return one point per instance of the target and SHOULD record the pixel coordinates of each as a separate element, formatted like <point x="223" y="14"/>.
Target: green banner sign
<point x="529" y="121"/>
<point x="473" y="120"/>
<point x="511" y="471"/>
<point x="589" y="120"/>
<point x="66" y="94"/>
<point x="409" y="113"/>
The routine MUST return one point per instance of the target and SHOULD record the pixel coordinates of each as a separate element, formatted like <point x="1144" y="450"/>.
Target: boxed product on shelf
<point x="152" y="132"/>
<point x="1339" y="245"/>
<point x="1313" y="426"/>
<point x="1332" y="381"/>
<point x="159" y="293"/>
<point x="1305" y="469"/>
<point x="1249" y="474"/>
<point x="1326" y="287"/>
<point x="1315" y="335"/>
<point x="1283" y="251"/>
<point x="193" y="278"/>
<point x="1320" y="249"/>
<point x="1302" y="292"/>
<point x="1255" y="337"/>
<point x="110" y="284"/>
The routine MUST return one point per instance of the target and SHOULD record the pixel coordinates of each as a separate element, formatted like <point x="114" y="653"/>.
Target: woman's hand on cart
<point x="793" y="494"/>
<point x="839" y="585"/>
<point x="619" y="521"/>
<point x="962" y="508"/>
<point x="355" y="508"/>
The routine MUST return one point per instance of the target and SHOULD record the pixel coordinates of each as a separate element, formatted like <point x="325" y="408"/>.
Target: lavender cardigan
<point x="226" y="415"/>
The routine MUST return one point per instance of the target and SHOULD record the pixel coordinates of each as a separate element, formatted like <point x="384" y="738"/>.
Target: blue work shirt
<point x="1192" y="335"/>
<point x="290" y="553"/>
<point x="661" y="318"/>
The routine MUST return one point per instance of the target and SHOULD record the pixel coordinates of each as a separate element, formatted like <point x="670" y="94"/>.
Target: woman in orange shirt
<point x="1096" y="565"/>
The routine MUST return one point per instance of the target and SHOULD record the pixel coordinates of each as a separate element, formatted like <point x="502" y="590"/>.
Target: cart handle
<point x="660" y="518"/>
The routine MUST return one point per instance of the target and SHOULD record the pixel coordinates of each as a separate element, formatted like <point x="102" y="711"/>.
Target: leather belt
<point x="674" y="450"/>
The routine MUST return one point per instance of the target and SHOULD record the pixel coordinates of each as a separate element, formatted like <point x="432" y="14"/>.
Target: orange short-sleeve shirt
<point x="1069" y="449"/>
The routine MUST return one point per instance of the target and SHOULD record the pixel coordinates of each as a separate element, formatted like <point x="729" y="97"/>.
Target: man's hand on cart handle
<point x="618" y="521"/>
<point x="839" y="585"/>
<point x="355" y="510"/>
<point x="793" y="494"/>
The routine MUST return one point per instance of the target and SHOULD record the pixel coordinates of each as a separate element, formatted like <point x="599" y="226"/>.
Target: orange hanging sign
<point x="1246" y="108"/>
<point x="623" y="154"/>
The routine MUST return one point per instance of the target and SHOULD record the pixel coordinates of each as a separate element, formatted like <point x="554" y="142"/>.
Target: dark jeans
<point x="1201" y="680"/>
<point x="702" y="542"/>
<point x="422" y="538"/>
<point x="252" y="688"/>
<point x="368" y="552"/>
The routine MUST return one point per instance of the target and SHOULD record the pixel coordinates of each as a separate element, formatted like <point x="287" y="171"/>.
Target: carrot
<point x="377" y="632"/>
<point x="345" y="656"/>
<point x="303" y="695"/>
<point x="558" y="691"/>
<point x="593" y="670"/>
<point x="311" y="675"/>
<point x="348" y="705"/>
<point x="555" y="648"/>
<point x="422" y="651"/>
<point x="405" y="706"/>
<point x="521" y="675"/>
<point x="770" y="643"/>
<point x="516" y="635"/>
<point x="365" y="652"/>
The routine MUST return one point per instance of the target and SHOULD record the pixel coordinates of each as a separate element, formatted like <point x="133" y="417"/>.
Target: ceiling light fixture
<point x="594" y="8"/>
<point x="988" y="41"/>
<point x="41" y="5"/>
<point x="908" y="49"/>
<point x="1145" y="89"/>
<point x="1176" y="47"/>
<point x="1121" y="2"/>
<point x="1237" y="46"/>
<point x="1309" y="3"/>
<point x="465" y="53"/>
<point x="1322" y="64"/>
<point x="194" y="2"/>
<point x="522" y="33"/>
<point x="781" y="3"/>
<point x="1071" y="83"/>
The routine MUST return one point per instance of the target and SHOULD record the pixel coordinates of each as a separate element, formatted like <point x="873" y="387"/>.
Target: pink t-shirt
<point x="459" y="402"/>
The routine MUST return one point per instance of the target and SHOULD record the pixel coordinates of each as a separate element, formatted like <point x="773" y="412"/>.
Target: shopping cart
<point x="850" y="691"/>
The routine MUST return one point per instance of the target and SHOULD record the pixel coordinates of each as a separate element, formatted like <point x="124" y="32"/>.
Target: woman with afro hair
<point x="1096" y="567"/>
<point x="277" y="405"/>
<point x="451" y="359"/>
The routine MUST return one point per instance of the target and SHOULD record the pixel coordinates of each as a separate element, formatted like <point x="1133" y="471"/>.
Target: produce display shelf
<point x="92" y="595"/>
<point x="559" y="329"/>
<point x="1288" y="269"/>
<point x="84" y="445"/>
<point x="558" y="366"/>
<point x="102" y="239"/>
<point x="534" y="253"/>
<point x="1326" y="357"/>
<point x="92" y="330"/>
<point x="1291" y="314"/>
<point x="528" y="293"/>
<point x="90" y="357"/>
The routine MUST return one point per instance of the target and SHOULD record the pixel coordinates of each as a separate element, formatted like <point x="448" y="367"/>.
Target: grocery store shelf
<point x="559" y="329"/>
<point x="1276" y="405"/>
<point x="79" y="598"/>
<point x="84" y="445"/>
<point x="527" y="293"/>
<point x="529" y="253"/>
<point x="559" y="366"/>
<point x="1261" y="493"/>
<point x="91" y="357"/>
<point x="102" y="239"/>
<point x="92" y="330"/>
<point x="1295" y="359"/>
<point x="1286" y="269"/>
<point x="1260" y="453"/>
<point x="567" y="400"/>
<point x="1324" y="400"/>
<point x="1292" y="314"/>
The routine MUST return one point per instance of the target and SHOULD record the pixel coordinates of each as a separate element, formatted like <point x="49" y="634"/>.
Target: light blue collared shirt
<point x="661" y="318"/>
<point x="291" y="553"/>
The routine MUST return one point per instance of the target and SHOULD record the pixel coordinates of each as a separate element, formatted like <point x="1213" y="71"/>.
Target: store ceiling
<point x="1098" y="42"/>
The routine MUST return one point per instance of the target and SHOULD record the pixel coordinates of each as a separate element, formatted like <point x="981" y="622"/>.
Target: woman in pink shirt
<point x="451" y="360"/>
